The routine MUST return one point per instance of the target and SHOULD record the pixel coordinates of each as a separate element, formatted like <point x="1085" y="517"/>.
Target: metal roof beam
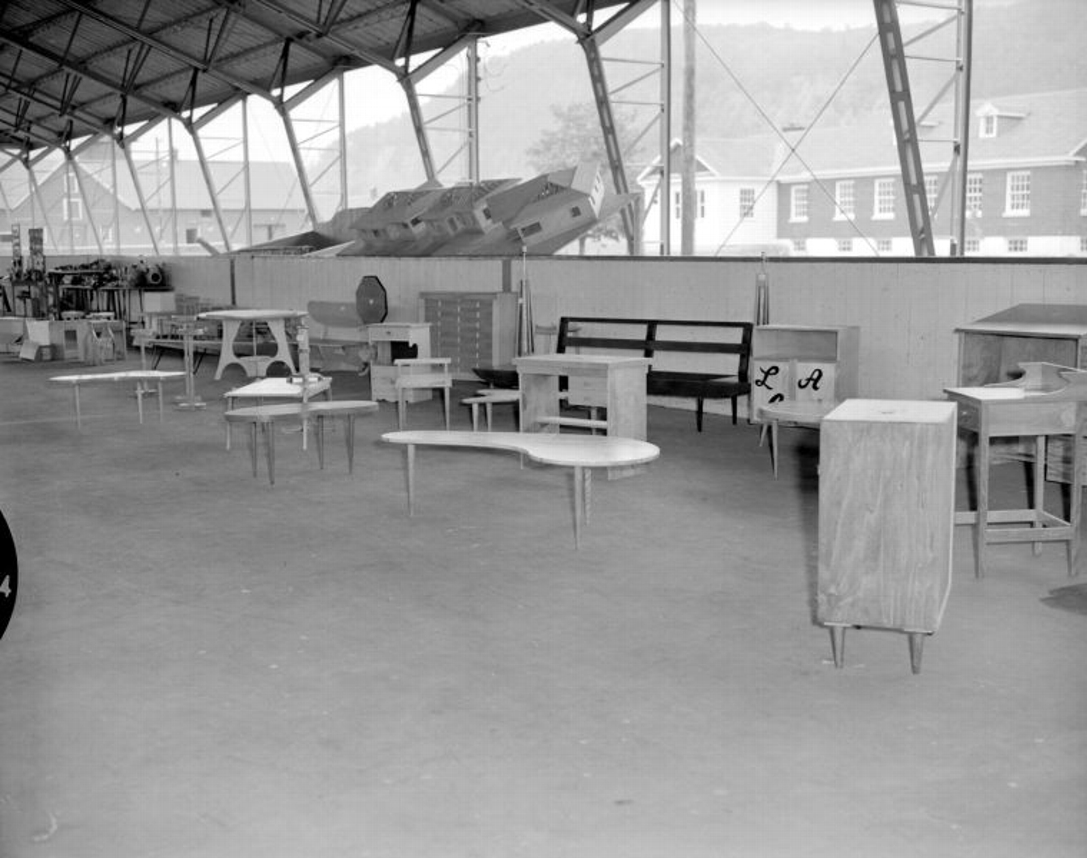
<point x="204" y="66"/>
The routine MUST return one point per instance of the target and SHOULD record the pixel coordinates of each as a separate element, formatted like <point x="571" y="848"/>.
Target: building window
<point x="799" y="203"/>
<point x="747" y="202"/>
<point x="1017" y="245"/>
<point x="205" y="212"/>
<point x="1083" y="244"/>
<point x="883" y="245"/>
<point x="988" y="125"/>
<point x="974" y="185"/>
<point x="843" y="199"/>
<point x="845" y="245"/>
<point x="192" y="233"/>
<point x="883" y="206"/>
<point x="932" y="190"/>
<point x="701" y="203"/>
<point x="679" y="205"/>
<point x="971" y="245"/>
<point x="1017" y="196"/>
<point x="575" y="211"/>
<point x="800" y="245"/>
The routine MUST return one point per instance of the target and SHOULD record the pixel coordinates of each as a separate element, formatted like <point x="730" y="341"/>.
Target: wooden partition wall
<point x="907" y="310"/>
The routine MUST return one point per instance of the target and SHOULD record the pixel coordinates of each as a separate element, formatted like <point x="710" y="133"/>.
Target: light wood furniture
<point x="232" y="352"/>
<point x="1049" y="400"/>
<point x="476" y="329"/>
<point x="338" y="339"/>
<point x="886" y="509"/>
<point x="142" y="378"/>
<point x="803" y="363"/>
<point x="807" y="413"/>
<point x="580" y="452"/>
<point x="488" y="398"/>
<point x="608" y="381"/>
<point x="261" y="419"/>
<point x="293" y="388"/>
<point x="414" y="374"/>
<point x="992" y="348"/>
<point x="392" y="341"/>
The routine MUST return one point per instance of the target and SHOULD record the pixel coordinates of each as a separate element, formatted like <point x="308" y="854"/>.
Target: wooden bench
<point x="580" y="452"/>
<point x="337" y="337"/>
<point x="705" y="359"/>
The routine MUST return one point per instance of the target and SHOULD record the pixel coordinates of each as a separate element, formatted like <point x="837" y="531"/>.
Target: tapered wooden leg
<point x="917" y="643"/>
<point x="269" y="430"/>
<point x="579" y="505"/>
<point x="320" y="433"/>
<point x="78" y="413"/>
<point x="1038" y="486"/>
<point x="774" y="445"/>
<point x="446" y="392"/>
<point x="401" y="409"/>
<point x="587" y="496"/>
<point x="252" y="436"/>
<point x="411" y="479"/>
<point x="837" y="645"/>
<point x="349" y="439"/>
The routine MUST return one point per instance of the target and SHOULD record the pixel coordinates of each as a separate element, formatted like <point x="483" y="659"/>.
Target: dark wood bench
<point x="700" y="359"/>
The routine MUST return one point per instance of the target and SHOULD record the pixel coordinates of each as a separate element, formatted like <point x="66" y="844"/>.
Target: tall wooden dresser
<point x="473" y="329"/>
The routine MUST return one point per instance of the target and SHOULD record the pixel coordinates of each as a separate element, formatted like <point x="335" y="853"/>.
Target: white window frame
<point x="971" y="245"/>
<point x="1015" y="195"/>
<point x="747" y="202"/>
<point x="987" y="125"/>
<point x="798" y="204"/>
<point x="701" y="203"/>
<point x="845" y="199"/>
<point x="1018" y="245"/>
<point x="845" y="245"/>
<point x="975" y="194"/>
<point x="883" y="199"/>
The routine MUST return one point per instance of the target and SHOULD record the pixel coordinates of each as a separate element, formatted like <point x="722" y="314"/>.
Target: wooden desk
<point x="613" y="382"/>
<point x="580" y="452"/>
<point x="262" y="419"/>
<point x="254" y="365"/>
<point x="1049" y="400"/>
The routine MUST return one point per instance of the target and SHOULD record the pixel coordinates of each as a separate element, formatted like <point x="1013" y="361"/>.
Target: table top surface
<point x="590" y="451"/>
<point x="281" y="387"/>
<point x="132" y="374"/>
<point x="342" y="407"/>
<point x="251" y="315"/>
<point x="561" y="361"/>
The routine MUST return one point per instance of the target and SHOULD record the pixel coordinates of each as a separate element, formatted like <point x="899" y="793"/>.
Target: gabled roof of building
<point x="1053" y="128"/>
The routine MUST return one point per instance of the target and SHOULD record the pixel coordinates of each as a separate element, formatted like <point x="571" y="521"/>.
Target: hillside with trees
<point x="743" y="72"/>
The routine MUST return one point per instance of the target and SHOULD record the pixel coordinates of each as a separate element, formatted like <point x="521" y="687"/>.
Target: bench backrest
<point x="683" y="339"/>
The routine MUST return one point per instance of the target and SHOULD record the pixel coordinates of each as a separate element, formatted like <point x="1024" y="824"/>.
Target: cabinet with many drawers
<point x="473" y="329"/>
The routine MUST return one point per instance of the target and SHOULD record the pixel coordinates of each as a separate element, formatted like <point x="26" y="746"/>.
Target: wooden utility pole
<point x="689" y="202"/>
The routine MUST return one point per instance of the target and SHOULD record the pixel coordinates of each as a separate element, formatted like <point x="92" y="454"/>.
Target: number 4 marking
<point x="5" y="586"/>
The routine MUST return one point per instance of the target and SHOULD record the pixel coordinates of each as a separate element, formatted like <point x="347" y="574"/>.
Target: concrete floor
<point x="200" y="664"/>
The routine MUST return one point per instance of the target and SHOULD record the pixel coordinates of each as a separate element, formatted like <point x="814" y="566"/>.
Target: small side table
<point x="280" y="388"/>
<point x="1048" y="400"/>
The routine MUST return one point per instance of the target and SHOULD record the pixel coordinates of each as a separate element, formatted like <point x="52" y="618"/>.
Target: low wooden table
<point x="264" y="417"/>
<point x="142" y="377"/>
<point x="580" y="452"/>
<point x="293" y="388"/>
<point x="253" y="364"/>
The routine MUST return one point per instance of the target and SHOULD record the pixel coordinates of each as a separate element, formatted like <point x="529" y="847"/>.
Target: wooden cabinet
<point x="886" y="518"/>
<point x="390" y="341"/>
<point x="471" y="328"/>
<point x="803" y="364"/>
<point x="992" y="349"/>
